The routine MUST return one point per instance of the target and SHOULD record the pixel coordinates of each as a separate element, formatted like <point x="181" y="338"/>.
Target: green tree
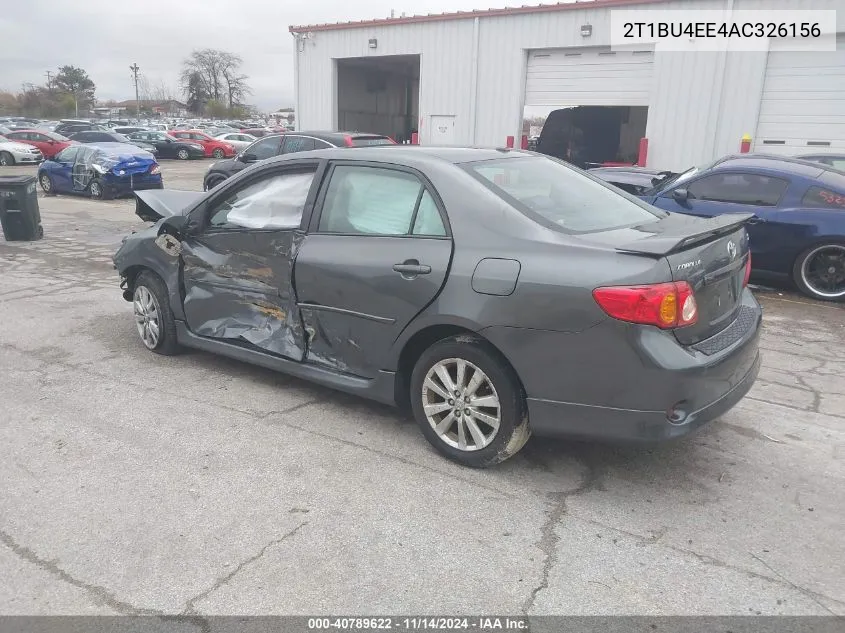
<point x="75" y="82"/>
<point x="216" y="109"/>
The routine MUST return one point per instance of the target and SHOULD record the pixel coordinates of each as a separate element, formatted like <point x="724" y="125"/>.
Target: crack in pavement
<point x="592" y="481"/>
<point x="223" y="580"/>
<point x="710" y="560"/>
<point x="44" y="355"/>
<point x="98" y="594"/>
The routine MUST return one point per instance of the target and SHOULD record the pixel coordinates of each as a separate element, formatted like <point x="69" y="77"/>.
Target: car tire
<point x="183" y="154"/>
<point x="96" y="190"/>
<point x="6" y="159"/>
<point x="469" y="438"/>
<point x="153" y="316"/>
<point x="46" y="184"/>
<point x="802" y="271"/>
<point x="218" y="153"/>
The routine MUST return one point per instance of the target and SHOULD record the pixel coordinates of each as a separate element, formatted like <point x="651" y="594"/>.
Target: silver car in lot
<point x="14" y="153"/>
<point x="238" y="140"/>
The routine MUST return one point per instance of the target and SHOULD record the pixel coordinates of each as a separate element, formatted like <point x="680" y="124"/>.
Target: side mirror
<point x="680" y="194"/>
<point x="248" y="158"/>
<point x="174" y="224"/>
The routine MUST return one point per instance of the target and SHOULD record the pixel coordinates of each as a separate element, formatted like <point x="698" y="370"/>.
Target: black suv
<point x="275" y="144"/>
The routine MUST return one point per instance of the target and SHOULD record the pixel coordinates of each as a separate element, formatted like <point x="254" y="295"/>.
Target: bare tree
<point x="211" y="74"/>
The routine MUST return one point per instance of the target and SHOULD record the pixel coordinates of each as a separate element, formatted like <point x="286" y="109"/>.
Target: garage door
<point x="588" y="76"/>
<point x="803" y="107"/>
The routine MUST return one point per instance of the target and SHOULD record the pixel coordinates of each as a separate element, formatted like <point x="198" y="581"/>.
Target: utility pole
<point x="49" y="81"/>
<point x="135" y="68"/>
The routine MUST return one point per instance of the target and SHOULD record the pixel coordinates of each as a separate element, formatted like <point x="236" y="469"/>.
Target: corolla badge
<point x="732" y="249"/>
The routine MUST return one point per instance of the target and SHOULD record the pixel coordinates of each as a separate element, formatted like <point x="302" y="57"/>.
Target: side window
<point x="370" y="201"/>
<point x="297" y="144"/>
<point x="752" y="189"/>
<point x="40" y="138"/>
<point x="823" y="198"/>
<point x="67" y="155"/>
<point x="265" y="148"/>
<point x="428" y="220"/>
<point x="274" y="202"/>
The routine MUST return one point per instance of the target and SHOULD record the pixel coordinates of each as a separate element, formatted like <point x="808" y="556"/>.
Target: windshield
<point x="559" y="196"/>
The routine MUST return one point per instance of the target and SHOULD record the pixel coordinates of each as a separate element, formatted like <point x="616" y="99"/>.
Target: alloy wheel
<point x="46" y="183"/>
<point x="461" y="404"/>
<point x="147" y="316"/>
<point x="823" y="271"/>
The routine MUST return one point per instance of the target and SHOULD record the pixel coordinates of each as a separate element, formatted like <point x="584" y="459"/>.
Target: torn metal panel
<point x="143" y="250"/>
<point x="111" y="160"/>
<point x="238" y="286"/>
<point x="152" y="206"/>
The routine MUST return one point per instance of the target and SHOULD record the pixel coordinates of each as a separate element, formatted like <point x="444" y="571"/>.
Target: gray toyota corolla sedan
<point x="494" y="293"/>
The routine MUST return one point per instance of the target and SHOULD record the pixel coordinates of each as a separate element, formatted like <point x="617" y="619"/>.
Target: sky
<point x="106" y="37"/>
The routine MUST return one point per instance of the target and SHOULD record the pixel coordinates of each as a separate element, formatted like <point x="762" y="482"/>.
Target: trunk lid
<point x="710" y="255"/>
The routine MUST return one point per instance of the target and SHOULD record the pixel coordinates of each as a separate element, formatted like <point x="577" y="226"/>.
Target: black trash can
<point x="19" y="212"/>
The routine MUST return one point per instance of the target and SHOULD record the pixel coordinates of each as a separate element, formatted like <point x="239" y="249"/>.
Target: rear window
<point x="55" y="137"/>
<point x="559" y="196"/>
<point x="365" y="141"/>
<point x="823" y="198"/>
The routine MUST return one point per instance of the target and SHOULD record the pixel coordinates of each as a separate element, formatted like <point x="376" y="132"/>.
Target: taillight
<point x="667" y="305"/>
<point x="747" y="270"/>
<point x="155" y="169"/>
<point x="347" y="140"/>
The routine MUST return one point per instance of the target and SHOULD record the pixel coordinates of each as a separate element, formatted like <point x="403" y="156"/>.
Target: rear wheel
<point x="819" y="272"/>
<point x="468" y="402"/>
<point x="183" y="154"/>
<point x="153" y="316"/>
<point x="46" y="183"/>
<point x="218" y="153"/>
<point x="6" y="159"/>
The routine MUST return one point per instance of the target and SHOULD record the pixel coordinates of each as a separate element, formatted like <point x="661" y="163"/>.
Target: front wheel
<point x="819" y="272"/>
<point x="153" y="316"/>
<point x="218" y="153"/>
<point x="468" y="402"/>
<point x="96" y="190"/>
<point x="183" y="154"/>
<point x="6" y="159"/>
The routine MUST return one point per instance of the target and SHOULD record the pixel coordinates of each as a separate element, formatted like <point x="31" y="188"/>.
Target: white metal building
<point x="466" y="78"/>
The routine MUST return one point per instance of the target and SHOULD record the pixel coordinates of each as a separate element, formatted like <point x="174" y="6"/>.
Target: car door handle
<point x="411" y="268"/>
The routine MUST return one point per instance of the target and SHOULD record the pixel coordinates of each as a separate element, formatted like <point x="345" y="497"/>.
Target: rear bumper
<point x="564" y="419"/>
<point x="620" y="381"/>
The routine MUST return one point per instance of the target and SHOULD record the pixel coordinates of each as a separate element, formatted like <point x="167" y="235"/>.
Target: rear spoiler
<point x="677" y="239"/>
<point x="154" y="204"/>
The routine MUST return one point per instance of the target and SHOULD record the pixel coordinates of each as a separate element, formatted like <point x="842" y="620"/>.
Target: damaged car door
<point x="237" y="263"/>
<point x="377" y="253"/>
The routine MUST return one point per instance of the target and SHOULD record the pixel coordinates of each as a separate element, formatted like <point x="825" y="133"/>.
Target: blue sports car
<point x="100" y="170"/>
<point x="799" y="229"/>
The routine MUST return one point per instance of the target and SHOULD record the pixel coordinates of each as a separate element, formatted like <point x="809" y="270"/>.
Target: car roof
<point x="329" y="135"/>
<point x="771" y="162"/>
<point x="411" y="155"/>
<point x="116" y="148"/>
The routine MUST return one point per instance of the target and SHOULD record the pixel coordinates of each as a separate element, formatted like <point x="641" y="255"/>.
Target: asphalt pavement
<point x="134" y="483"/>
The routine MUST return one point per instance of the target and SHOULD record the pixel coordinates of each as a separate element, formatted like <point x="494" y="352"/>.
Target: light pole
<point x="135" y="68"/>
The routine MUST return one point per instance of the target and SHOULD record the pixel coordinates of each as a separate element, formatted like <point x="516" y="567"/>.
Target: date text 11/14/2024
<point x="419" y="623"/>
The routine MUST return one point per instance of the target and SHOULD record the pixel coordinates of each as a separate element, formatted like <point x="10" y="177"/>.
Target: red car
<point x="49" y="143"/>
<point x="213" y="147"/>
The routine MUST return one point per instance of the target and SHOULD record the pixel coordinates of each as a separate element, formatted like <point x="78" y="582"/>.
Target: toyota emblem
<point x="732" y="249"/>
